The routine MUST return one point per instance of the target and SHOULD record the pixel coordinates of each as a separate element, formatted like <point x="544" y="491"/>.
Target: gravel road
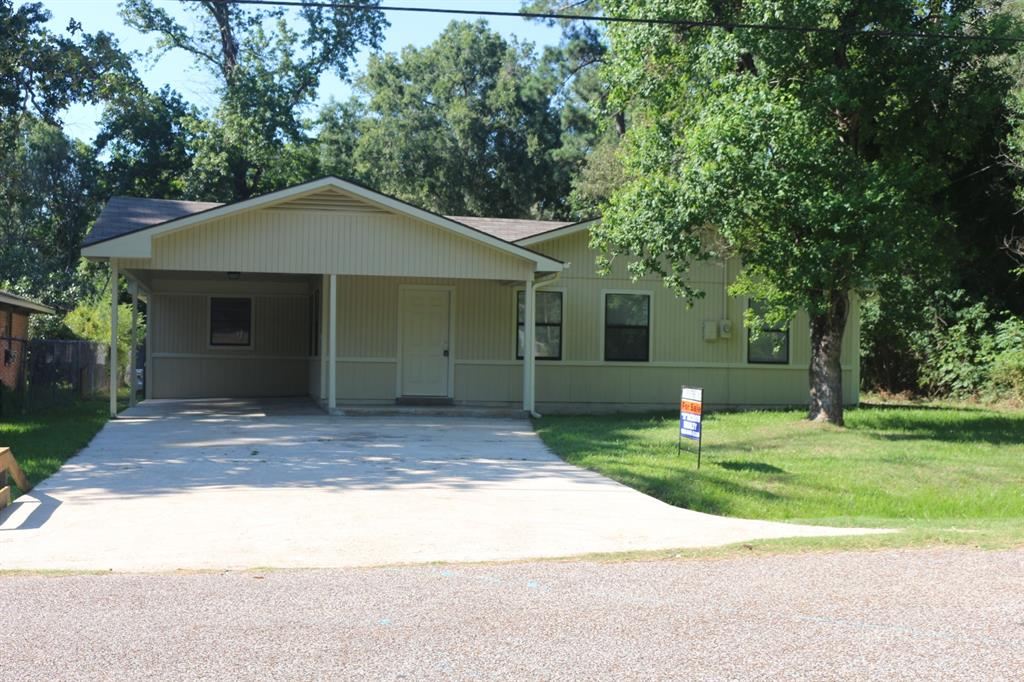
<point x="922" y="614"/>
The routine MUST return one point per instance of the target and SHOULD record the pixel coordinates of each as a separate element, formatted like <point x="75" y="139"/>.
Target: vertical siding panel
<point x="312" y="242"/>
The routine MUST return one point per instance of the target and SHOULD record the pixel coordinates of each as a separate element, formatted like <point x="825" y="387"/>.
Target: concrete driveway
<point x="227" y="484"/>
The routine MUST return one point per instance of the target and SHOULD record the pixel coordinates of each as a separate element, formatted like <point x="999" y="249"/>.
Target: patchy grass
<point x="42" y="441"/>
<point x="944" y="474"/>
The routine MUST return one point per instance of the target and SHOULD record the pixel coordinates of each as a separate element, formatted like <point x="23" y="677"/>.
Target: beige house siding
<point x="315" y="242"/>
<point x="483" y="301"/>
<point x="184" y="365"/>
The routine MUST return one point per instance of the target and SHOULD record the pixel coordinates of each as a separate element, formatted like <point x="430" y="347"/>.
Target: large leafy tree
<point x="268" y="63"/>
<point x="47" y="181"/>
<point x="464" y="125"/>
<point x="43" y="72"/>
<point x="50" y="199"/>
<point x="817" y="158"/>
<point x="590" y="130"/>
<point x="144" y="143"/>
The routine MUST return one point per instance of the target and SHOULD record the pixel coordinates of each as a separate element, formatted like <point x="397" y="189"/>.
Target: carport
<point x="326" y="289"/>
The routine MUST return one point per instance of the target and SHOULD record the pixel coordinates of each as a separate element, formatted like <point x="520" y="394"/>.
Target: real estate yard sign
<point x="691" y="404"/>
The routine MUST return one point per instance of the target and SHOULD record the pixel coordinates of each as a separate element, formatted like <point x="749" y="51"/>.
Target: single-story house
<point x="332" y="290"/>
<point x="14" y="313"/>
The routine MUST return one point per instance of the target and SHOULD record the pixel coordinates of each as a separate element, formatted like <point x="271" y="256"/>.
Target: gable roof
<point x="509" y="229"/>
<point x="563" y="230"/>
<point x="124" y="217"/>
<point x="7" y="298"/>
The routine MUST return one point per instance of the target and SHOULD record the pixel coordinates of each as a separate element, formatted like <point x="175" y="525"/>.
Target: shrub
<point x="91" y="321"/>
<point x="1006" y="374"/>
<point x="956" y="351"/>
<point x="968" y="352"/>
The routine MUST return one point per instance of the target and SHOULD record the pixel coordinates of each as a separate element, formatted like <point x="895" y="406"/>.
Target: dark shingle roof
<point x="509" y="229"/>
<point x="123" y="215"/>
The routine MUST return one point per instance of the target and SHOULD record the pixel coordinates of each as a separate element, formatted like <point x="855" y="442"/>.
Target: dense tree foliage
<point x="820" y="159"/>
<point x="47" y="180"/>
<point x="268" y="62"/>
<point x="828" y="162"/>
<point x="463" y="126"/>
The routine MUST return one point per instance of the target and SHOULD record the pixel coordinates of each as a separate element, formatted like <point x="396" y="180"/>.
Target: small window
<point x="627" y="327"/>
<point x="771" y="345"/>
<point x="230" y="321"/>
<point x="548" y="327"/>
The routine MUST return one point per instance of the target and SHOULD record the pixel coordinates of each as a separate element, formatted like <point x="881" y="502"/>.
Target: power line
<point x="682" y="23"/>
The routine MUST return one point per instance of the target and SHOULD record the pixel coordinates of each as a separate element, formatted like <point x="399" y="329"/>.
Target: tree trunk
<point x="826" y="372"/>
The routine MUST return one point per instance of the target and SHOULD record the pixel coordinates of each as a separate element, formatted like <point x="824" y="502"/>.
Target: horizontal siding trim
<point x="612" y="363"/>
<point x="227" y="292"/>
<point x="226" y="356"/>
<point x="215" y="356"/>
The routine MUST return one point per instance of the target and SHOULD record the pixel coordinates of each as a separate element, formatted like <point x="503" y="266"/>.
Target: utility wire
<point x="682" y="23"/>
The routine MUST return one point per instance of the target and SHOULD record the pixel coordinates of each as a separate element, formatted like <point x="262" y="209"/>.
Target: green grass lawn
<point x="43" y="440"/>
<point x="941" y="473"/>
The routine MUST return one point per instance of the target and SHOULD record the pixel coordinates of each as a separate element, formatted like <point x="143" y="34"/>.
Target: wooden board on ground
<point x="10" y="465"/>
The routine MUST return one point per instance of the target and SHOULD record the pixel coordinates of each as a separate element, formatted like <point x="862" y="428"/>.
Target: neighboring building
<point x="247" y="299"/>
<point x="14" y="312"/>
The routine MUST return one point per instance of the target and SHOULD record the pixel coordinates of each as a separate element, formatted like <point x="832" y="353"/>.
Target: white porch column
<point x="332" y="347"/>
<point x="148" y="376"/>
<point x="529" y="345"/>
<point x="134" y="287"/>
<point x="113" y="338"/>
<point x="324" y="315"/>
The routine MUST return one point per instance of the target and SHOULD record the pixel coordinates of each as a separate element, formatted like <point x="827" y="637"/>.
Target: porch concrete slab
<point x="240" y="484"/>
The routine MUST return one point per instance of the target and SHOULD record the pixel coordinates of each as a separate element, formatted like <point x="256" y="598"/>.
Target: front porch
<point x="353" y="344"/>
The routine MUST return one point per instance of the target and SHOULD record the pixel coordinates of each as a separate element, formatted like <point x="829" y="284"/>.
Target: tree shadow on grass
<point x="689" y="489"/>
<point x="865" y="405"/>
<point x="739" y="465"/>
<point x="988" y="428"/>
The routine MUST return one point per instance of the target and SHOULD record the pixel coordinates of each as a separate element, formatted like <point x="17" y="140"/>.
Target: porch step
<point x="430" y="411"/>
<point x="423" y="401"/>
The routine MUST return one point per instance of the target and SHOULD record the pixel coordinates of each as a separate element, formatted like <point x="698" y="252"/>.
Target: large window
<point x="548" y="329"/>
<point x="770" y="345"/>
<point x="230" y="321"/>
<point x="627" y="327"/>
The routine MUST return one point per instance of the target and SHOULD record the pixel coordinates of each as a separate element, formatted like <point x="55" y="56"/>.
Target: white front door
<point x="424" y="341"/>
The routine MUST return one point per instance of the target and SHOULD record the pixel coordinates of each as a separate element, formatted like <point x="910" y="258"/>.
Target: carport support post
<point x="113" y="338"/>
<point x="529" y="345"/>
<point x="332" y="347"/>
<point x="134" y="287"/>
<point x="324" y="314"/>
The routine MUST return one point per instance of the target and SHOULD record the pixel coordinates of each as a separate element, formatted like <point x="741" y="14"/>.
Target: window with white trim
<point x="547" y="327"/>
<point x="770" y="345"/>
<point x="627" y="327"/>
<point x="230" y="321"/>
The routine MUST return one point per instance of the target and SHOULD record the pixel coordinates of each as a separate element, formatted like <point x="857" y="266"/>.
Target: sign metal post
<point x="691" y="405"/>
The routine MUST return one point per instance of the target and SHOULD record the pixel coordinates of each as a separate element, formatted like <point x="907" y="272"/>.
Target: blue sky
<point x="176" y="68"/>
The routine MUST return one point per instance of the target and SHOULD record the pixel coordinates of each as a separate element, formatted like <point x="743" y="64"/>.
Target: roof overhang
<point x="25" y="304"/>
<point x="139" y="244"/>
<point x="558" y="232"/>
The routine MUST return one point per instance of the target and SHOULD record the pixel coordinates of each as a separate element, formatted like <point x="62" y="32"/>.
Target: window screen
<point x="770" y="345"/>
<point x="548" y="328"/>
<point x="627" y="327"/>
<point x="230" y="321"/>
